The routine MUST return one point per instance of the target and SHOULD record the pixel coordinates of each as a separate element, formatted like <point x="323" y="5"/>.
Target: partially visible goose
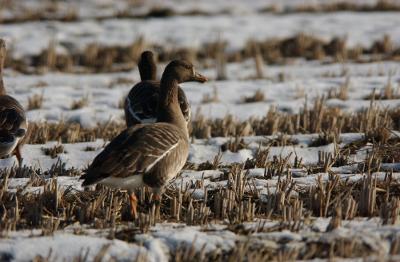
<point x="148" y="154"/>
<point x="142" y="101"/>
<point x="13" y="124"/>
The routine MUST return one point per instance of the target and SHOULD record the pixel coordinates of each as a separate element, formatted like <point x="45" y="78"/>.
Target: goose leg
<point x="133" y="201"/>
<point x="157" y="202"/>
<point x="17" y="153"/>
<point x="156" y="198"/>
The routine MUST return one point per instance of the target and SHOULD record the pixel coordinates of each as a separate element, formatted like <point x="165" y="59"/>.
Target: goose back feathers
<point x="142" y="101"/>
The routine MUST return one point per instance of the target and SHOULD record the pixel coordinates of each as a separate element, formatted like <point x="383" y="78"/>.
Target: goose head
<point x="147" y="66"/>
<point x="182" y="71"/>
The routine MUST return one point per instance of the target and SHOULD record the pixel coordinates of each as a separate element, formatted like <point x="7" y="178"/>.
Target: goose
<point x="142" y="101"/>
<point x="148" y="154"/>
<point x="13" y="123"/>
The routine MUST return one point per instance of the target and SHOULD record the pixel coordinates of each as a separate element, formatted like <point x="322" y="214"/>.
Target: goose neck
<point x="147" y="71"/>
<point x="169" y="110"/>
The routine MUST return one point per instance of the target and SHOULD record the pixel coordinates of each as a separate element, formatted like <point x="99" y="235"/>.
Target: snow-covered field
<point x="104" y="92"/>
<point x="256" y="197"/>
<point x="31" y="38"/>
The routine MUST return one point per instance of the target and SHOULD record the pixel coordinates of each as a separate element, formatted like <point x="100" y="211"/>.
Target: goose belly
<point x="7" y="147"/>
<point x="131" y="182"/>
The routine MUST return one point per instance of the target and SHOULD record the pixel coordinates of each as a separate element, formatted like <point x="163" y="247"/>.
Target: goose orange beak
<point x="199" y="78"/>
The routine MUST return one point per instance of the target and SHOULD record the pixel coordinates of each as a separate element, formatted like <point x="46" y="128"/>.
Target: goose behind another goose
<point x="142" y="101"/>
<point x="13" y="123"/>
<point x="148" y="154"/>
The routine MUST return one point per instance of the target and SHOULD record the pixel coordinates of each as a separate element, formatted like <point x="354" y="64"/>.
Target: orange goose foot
<point x="134" y="202"/>
<point x="156" y="198"/>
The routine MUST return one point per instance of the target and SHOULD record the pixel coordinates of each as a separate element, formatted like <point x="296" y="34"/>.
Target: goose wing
<point x="184" y="105"/>
<point x="136" y="150"/>
<point x="141" y="104"/>
<point x="12" y="117"/>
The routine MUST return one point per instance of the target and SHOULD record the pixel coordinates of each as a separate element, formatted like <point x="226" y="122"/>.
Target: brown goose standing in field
<point x="13" y="124"/>
<point x="142" y="101"/>
<point x="148" y="154"/>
